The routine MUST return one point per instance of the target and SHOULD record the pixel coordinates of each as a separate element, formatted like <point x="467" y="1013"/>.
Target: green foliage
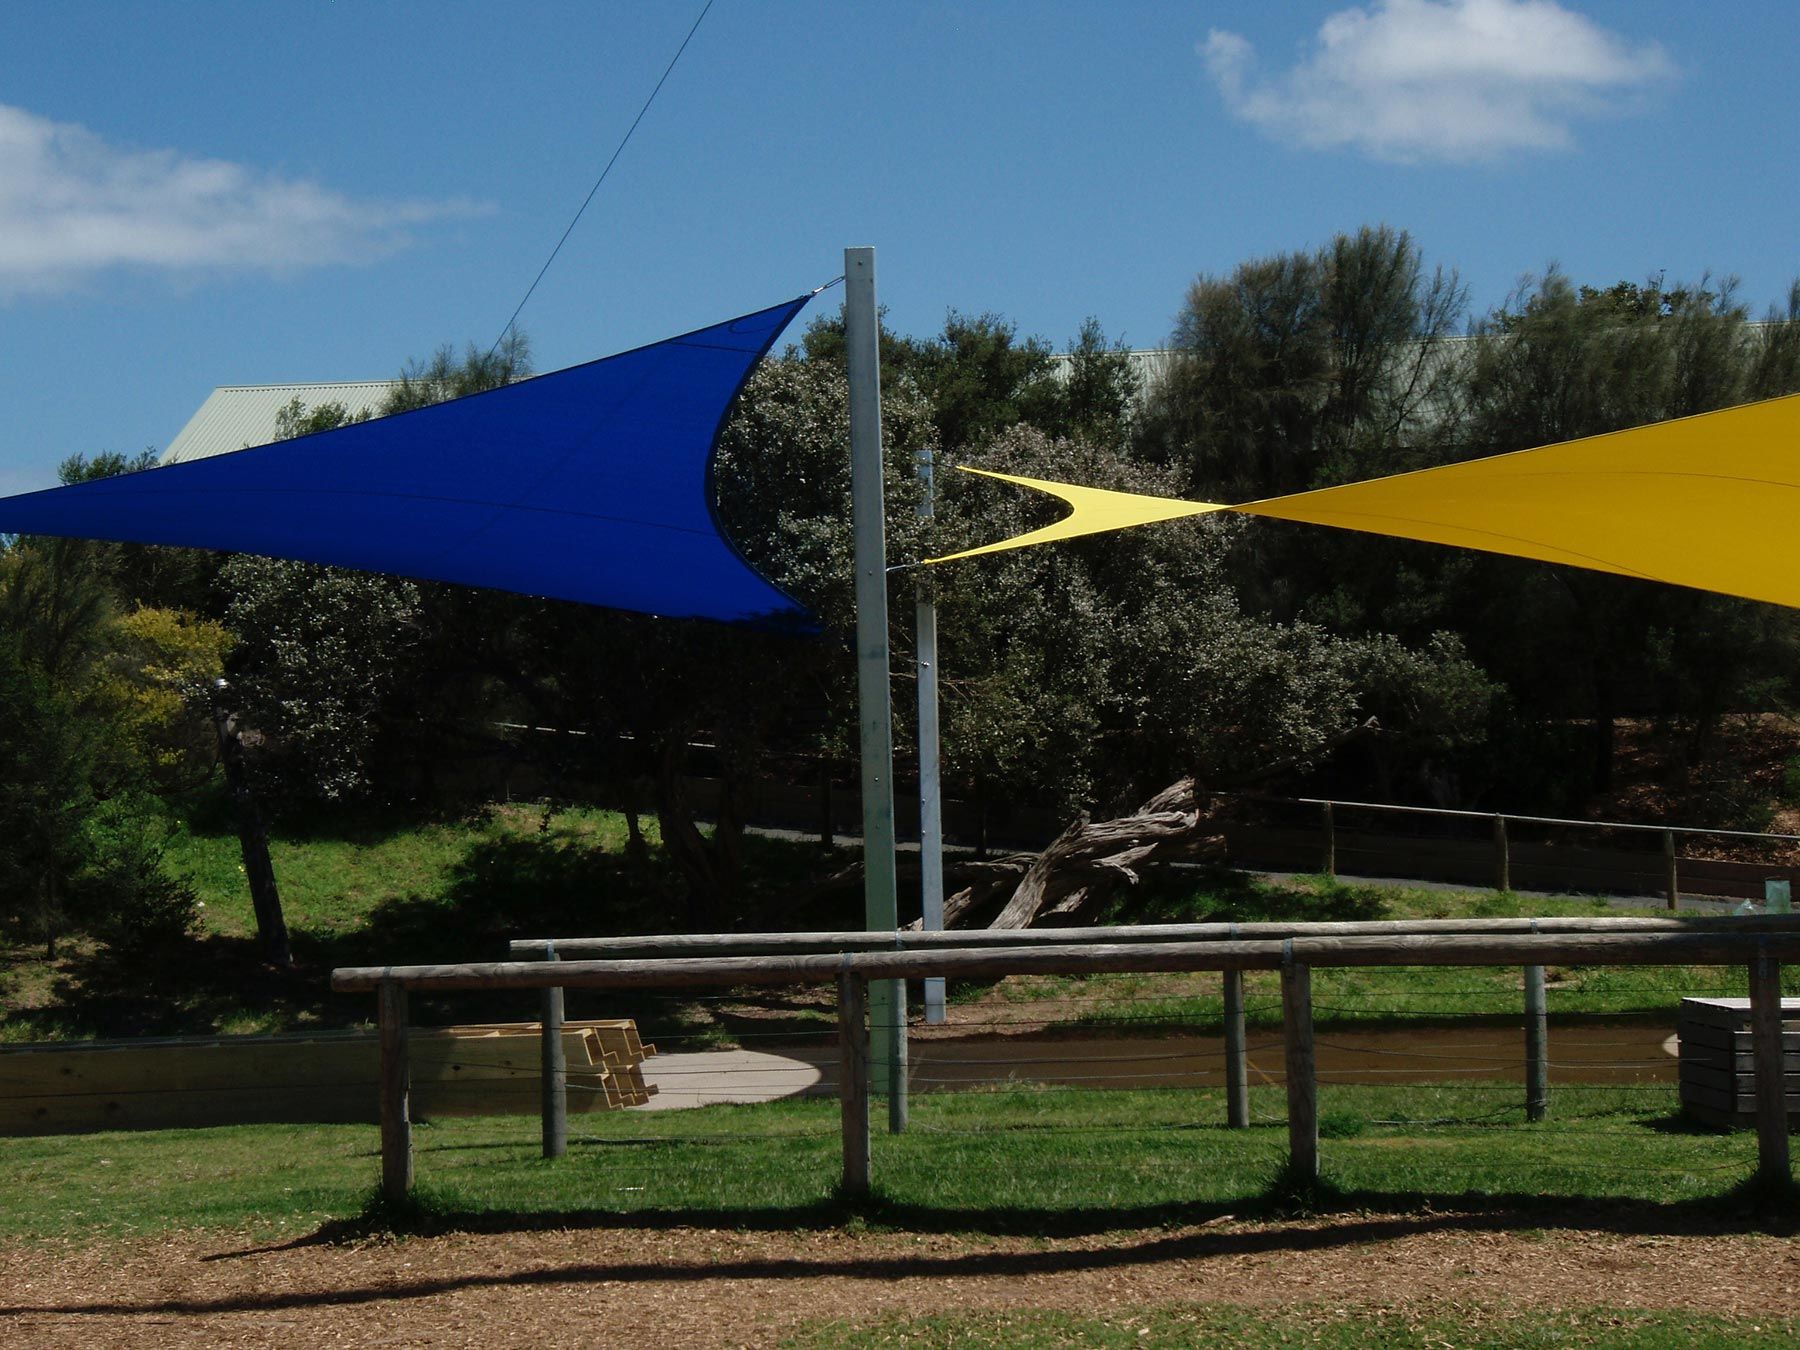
<point x="295" y="418"/>
<point x="47" y="758"/>
<point x="446" y="376"/>
<point x="124" y="891"/>
<point x="78" y="847"/>
<point x="1790" y="781"/>
<point x="1304" y="368"/>
<point x="156" y="687"/>
<point x="319" y="650"/>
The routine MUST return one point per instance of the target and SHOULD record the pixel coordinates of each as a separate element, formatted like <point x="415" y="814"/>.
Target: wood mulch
<point x="693" y="1286"/>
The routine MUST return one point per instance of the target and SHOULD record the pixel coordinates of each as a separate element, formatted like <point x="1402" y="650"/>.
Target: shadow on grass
<point x="1356" y="1215"/>
<point x="1327" y="1219"/>
<point x="1218" y="894"/>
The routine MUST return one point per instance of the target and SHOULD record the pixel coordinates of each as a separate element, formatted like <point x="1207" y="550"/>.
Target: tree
<point x="1304" y="368"/>
<point x="46" y="794"/>
<point x="1560" y="362"/>
<point x="444" y="376"/>
<point x="81" y="840"/>
<point x="319" y="653"/>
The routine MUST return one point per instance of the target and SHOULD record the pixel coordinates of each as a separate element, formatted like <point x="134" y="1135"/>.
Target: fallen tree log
<point x="1083" y="866"/>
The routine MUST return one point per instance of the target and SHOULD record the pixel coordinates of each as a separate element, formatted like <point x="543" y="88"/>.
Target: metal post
<point x="1502" y="856"/>
<point x="1302" y="1081"/>
<point x="887" y="1002"/>
<point x="853" y="1082"/>
<point x="1237" y="1061"/>
<point x="931" y="804"/>
<point x="1328" y="863"/>
<point x="554" y="1071"/>
<point x="1537" y="1045"/>
<point x="1674" y="871"/>
<point x="1772" y="1164"/>
<point x="396" y="1091"/>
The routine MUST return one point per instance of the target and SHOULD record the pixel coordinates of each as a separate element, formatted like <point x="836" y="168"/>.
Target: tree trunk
<point x="253" y="841"/>
<point x="637" y="852"/>
<point x="712" y="872"/>
<point x="1085" y="864"/>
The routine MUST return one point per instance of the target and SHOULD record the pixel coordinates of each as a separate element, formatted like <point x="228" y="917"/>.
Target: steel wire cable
<point x="582" y="209"/>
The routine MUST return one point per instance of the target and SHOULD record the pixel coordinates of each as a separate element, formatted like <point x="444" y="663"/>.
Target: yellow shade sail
<point x="1711" y="502"/>
<point x="1096" y="510"/>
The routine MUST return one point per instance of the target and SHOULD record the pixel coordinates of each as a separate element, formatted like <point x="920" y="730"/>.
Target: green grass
<point x="1149" y="1004"/>
<point x="1045" y="1162"/>
<point x="1320" y="1324"/>
<point x="374" y="891"/>
<point x="333" y="882"/>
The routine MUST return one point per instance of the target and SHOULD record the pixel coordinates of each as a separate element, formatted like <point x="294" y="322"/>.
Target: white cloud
<point x="1439" y="79"/>
<point x="71" y="205"/>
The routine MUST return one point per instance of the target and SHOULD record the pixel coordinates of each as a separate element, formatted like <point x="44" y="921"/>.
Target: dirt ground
<point x="685" y="1286"/>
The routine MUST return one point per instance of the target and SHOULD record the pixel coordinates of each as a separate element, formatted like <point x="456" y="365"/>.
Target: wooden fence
<point x="1497" y="857"/>
<point x="1762" y="951"/>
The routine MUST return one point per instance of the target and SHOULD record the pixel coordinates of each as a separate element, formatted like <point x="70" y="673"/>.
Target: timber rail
<point x="789" y="944"/>
<point x="1762" y="950"/>
<point x="1325" y="846"/>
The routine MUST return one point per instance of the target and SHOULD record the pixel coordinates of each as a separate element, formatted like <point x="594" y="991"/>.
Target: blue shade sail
<point x="589" y="484"/>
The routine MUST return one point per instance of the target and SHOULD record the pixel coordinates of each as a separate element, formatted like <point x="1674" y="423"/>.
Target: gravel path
<point x="685" y="1286"/>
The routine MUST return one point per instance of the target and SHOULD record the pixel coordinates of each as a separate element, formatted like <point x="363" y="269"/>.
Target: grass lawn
<point x="334" y="881"/>
<point x="1055" y="1161"/>
<point x="1322" y="1324"/>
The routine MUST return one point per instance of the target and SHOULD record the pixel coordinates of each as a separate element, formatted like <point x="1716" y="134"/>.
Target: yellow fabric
<point x="1096" y="510"/>
<point x="1711" y="502"/>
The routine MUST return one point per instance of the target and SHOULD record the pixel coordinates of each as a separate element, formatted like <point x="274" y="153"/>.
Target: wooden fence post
<point x="1502" y="856"/>
<point x="1237" y="1061"/>
<point x="1673" y="870"/>
<point x="1772" y="1165"/>
<point x="1328" y="857"/>
<point x="554" y="1070"/>
<point x="396" y="1084"/>
<point x="853" y="1080"/>
<point x="1537" y="1045"/>
<point x="1302" y="1081"/>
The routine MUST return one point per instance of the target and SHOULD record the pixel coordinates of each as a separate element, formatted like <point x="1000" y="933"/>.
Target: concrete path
<point x="1628" y="1051"/>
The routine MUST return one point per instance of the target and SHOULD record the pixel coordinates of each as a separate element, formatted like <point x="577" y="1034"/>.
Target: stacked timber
<point x="327" y="1077"/>
<point x="1718" y="1071"/>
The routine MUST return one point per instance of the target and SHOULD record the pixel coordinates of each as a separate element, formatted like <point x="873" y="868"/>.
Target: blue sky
<point x="204" y="194"/>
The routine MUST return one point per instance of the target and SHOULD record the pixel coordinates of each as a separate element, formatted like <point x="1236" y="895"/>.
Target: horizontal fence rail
<point x="1324" y="845"/>
<point x="784" y="944"/>
<point x="1621" y="949"/>
<point x="1514" y="818"/>
<point x="1761" y="949"/>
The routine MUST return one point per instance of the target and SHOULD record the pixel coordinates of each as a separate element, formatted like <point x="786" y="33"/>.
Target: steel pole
<point x="931" y="802"/>
<point x="862" y="342"/>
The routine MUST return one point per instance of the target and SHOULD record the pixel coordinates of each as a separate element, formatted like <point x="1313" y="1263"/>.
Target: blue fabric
<point x="589" y="484"/>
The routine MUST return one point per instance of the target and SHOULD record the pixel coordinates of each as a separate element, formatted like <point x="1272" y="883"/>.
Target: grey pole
<point x="1237" y="1062"/>
<point x="1537" y="1045"/>
<point x="931" y="805"/>
<point x="554" y="1070"/>
<point x="887" y="998"/>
